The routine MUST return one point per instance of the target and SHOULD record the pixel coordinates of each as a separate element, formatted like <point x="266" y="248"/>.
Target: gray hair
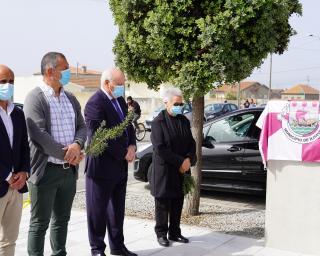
<point x="168" y="93"/>
<point x="50" y="60"/>
<point x="106" y="75"/>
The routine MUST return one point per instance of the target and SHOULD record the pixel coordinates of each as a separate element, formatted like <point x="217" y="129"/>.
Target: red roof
<point x="82" y="70"/>
<point x="234" y="87"/>
<point x="91" y="81"/>
<point x="301" y="89"/>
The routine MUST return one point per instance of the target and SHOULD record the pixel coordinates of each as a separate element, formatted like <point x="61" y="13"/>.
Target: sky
<point x="84" y="31"/>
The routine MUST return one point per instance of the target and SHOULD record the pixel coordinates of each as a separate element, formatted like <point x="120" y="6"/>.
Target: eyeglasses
<point x="178" y="104"/>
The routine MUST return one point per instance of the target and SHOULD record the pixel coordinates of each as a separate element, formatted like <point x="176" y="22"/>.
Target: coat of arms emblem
<point x="300" y="121"/>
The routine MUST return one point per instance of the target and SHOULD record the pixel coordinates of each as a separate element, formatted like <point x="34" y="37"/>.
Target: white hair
<point x="106" y="75"/>
<point x="168" y="93"/>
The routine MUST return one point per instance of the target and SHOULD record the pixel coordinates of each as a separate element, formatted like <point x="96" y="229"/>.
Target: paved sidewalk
<point x="140" y="238"/>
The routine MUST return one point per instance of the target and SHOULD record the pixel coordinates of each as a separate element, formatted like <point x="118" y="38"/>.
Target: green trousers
<point x="51" y="199"/>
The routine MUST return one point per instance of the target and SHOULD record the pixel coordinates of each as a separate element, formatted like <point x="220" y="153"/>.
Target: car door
<point x="227" y="137"/>
<point x="225" y="109"/>
<point x="252" y="162"/>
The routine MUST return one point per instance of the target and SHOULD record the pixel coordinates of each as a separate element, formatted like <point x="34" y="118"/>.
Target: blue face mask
<point x="65" y="77"/>
<point x="176" y="110"/>
<point x="6" y="91"/>
<point x="118" y="91"/>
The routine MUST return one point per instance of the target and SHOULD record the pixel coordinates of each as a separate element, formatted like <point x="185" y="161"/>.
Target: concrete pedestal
<point x="293" y="206"/>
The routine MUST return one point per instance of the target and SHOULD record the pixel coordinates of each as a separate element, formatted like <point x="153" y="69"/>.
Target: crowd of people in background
<point x="249" y="104"/>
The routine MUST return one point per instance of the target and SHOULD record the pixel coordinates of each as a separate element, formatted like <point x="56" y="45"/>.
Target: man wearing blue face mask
<point x="14" y="163"/>
<point x="107" y="174"/>
<point x="57" y="134"/>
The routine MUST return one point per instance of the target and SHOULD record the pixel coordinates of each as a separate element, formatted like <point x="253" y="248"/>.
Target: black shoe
<point x="163" y="241"/>
<point x="123" y="252"/>
<point x="179" y="239"/>
<point x="98" y="254"/>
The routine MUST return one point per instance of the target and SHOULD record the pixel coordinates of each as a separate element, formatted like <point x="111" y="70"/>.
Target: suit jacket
<point x="17" y="156"/>
<point x="111" y="164"/>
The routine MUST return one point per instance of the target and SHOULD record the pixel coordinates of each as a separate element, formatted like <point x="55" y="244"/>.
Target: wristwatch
<point x="78" y="142"/>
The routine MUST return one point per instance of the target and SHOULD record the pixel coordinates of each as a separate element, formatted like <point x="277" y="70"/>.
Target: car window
<point x="217" y="107"/>
<point x="186" y="108"/>
<point x="231" y="128"/>
<point x="233" y="107"/>
<point x="208" y="108"/>
<point x="226" y="108"/>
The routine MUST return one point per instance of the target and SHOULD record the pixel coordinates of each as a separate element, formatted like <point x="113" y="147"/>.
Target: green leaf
<point x="188" y="184"/>
<point x="99" y="141"/>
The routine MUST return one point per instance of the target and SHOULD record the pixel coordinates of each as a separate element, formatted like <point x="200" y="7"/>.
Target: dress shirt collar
<point x="108" y="95"/>
<point x="10" y="108"/>
<point x="49" y="90"/>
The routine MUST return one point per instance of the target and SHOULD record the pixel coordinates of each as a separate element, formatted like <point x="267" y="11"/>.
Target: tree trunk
<point x="193" y="199"/>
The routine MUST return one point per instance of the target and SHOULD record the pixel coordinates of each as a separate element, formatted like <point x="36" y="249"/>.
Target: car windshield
<point x="186" y="108"/>
<point x="232" y="128"/>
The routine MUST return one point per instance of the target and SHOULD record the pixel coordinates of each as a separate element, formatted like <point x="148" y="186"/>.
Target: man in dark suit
<point x="14" y="163"/>
<point x="107" y="174"/>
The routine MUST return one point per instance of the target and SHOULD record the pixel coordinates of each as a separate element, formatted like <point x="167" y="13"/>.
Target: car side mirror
<point x="208" y="142"/>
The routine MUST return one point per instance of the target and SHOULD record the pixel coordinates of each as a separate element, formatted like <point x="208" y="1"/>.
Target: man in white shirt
<point x="14" y="163"/>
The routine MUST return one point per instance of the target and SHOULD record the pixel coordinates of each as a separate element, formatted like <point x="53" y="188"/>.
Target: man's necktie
<point x="119" y="112"/>
<point x="116" y="106"/>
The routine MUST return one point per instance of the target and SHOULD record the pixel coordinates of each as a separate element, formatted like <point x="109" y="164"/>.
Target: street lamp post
<point x="318" y="37"/>
<point x="238" y="95"/>
<point x="270" y="77"/>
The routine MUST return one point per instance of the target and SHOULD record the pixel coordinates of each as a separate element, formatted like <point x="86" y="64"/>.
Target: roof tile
<point x="301" y="89"/>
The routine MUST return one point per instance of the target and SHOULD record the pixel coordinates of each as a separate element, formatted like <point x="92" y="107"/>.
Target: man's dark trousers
<point x="105" y="200"/>
<point x="51" y="198"/>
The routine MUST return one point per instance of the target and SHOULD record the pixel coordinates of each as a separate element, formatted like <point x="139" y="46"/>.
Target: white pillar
<point x="293" y="206"/>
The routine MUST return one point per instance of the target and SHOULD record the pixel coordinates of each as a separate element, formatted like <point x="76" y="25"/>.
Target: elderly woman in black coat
<point x="174" y="152"/>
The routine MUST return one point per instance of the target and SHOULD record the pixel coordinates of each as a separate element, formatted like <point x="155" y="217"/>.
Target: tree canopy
<point x="196" y="43"/>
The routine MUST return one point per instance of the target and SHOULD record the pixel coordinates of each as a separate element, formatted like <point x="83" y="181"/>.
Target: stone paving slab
<point x="140" y="238"/>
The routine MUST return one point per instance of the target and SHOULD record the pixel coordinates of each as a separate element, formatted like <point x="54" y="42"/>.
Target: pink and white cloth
<point x="290" y="131"/>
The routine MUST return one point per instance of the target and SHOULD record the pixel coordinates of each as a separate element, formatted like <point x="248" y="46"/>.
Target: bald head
<point x="6" y="75"/>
